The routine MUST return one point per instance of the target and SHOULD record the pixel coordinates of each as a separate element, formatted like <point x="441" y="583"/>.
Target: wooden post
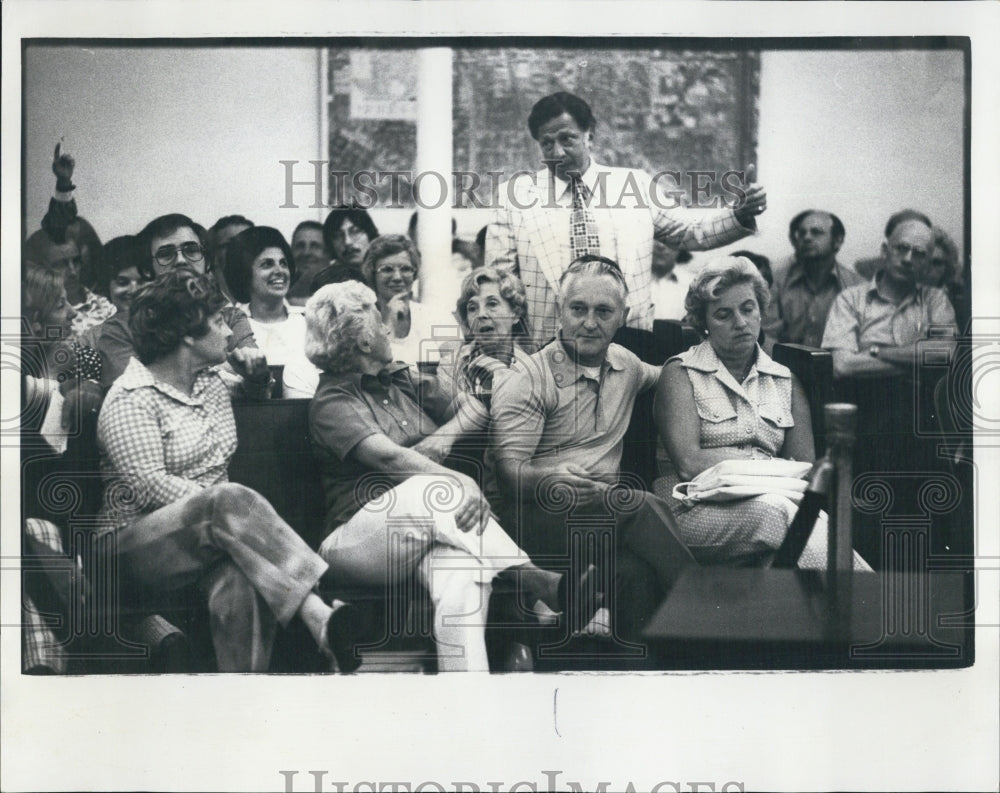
<point x="434" y="181"/>
<point x="841" y="431"/>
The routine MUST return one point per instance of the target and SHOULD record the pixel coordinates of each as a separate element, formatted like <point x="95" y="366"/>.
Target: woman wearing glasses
<point x="390" y="266"/>
<point x="166" y="434"/>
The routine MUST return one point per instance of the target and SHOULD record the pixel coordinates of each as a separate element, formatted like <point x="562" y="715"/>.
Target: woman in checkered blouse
<point x="166" y="435"/>
<point x="491" y="308"/>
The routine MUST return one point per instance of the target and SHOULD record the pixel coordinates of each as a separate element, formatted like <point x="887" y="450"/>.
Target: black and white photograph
<point x="442" y="395"/>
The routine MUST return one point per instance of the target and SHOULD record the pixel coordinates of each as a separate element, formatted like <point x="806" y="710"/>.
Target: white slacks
<point x="411" y="530"/>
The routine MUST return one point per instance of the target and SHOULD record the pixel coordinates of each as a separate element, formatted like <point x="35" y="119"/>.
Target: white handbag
<point x="730" y="480"/>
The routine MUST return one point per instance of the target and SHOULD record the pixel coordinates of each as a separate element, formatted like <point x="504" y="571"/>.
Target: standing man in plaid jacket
<point x="575" y="206"/>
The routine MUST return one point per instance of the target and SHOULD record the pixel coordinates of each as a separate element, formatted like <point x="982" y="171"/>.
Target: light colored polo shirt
<point x="549" y="409"/>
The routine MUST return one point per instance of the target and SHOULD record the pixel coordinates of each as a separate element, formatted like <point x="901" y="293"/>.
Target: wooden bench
<point x="274" y="457"/>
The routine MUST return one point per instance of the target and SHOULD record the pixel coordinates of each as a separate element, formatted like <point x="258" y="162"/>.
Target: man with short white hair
<point x="889" y="338"/>
<point x="558" y="424"/>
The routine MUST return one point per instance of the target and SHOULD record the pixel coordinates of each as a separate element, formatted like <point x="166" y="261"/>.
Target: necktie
<point x="583" y="225"/>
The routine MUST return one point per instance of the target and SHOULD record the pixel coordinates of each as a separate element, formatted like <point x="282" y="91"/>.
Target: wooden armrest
<point x="814" y="368"/>
<point x="274" y="457"/>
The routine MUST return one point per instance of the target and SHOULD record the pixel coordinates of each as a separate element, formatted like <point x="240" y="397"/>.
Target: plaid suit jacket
<point x="529" y="235"/>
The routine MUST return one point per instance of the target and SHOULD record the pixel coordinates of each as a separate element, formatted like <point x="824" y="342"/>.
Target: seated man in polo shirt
<point x="558" y="423"/>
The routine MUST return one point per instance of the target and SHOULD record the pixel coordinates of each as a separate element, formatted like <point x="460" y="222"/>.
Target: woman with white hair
<point x="725" y="399"/>
<point x="945" y="272"/>
<point x="392" y="509"/>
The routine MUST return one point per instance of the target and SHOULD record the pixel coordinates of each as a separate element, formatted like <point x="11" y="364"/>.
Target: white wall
<point x="862" y="134"/>
<point x="155" y="130"/>
<point x="202" y="130"/>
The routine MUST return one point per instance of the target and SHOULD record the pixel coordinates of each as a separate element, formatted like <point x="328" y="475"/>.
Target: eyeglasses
<point x="167" y="255"/>
<point x="902" y="249"/>
<point x="386" y="271"/>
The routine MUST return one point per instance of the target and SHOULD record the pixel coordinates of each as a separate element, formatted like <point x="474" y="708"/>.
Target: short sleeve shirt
<point x="549" y="408"/>
<point x="797" y="312"/>
<point x="861" y="316"/>
<point x="346" y="409"/>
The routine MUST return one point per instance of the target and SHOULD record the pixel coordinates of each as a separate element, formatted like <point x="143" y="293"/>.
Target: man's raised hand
<point x="62" y="166"/>
<point x="755" y="198"/>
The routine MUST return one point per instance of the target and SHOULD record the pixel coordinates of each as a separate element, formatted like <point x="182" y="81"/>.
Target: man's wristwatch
<point x="873" y="351"/>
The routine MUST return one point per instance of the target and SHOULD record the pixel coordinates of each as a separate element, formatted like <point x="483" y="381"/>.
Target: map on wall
<point x="660" y="109"/>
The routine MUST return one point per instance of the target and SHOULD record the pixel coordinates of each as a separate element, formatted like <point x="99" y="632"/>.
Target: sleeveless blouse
<point x="750" y="418"/>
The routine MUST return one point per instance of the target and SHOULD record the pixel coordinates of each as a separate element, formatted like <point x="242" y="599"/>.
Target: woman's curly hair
<point x="339" y="316"/>
<point x="177" y="304"/>
<point x="714" y="278"/>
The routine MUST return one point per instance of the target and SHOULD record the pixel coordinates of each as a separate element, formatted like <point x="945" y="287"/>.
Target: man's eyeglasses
<point x="902" y="249"/>
<point x="386" y="271"/>
<point x="167" y="255"/>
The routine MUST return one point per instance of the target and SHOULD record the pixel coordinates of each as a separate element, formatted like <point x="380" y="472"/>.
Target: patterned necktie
<point x="583" y="225"/>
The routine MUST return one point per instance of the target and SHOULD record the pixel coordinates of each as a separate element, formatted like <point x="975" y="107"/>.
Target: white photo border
<point x="802" y="731"/>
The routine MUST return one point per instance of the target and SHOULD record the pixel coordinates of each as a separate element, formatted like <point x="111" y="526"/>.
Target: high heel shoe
<point x="340" y="635"/>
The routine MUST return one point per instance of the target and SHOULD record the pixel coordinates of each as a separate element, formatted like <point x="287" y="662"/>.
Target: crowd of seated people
<point x="154" y="336"/>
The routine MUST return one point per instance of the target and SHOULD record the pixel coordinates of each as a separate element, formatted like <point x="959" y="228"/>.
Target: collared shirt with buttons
<point x="862" y="316"/>
<point x="552" y="408"/>
<point x="750" y="418"/>
<point x="346" y="409"/>
<point x="169" y="445"/>
<point x="797" y="312"/>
